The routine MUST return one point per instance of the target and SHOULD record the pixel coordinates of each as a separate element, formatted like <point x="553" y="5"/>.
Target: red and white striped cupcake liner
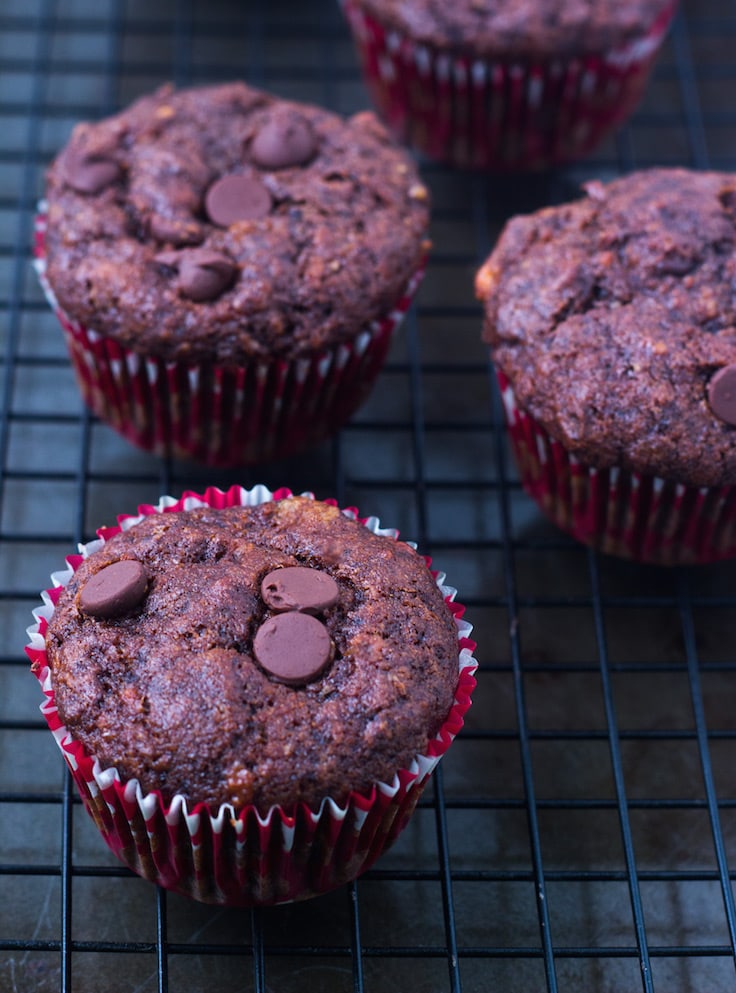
<point x="500" y="114"/>
<point x="219" y="415"/>
<point x="617" y="511"/>
<point x="244" y="857"/>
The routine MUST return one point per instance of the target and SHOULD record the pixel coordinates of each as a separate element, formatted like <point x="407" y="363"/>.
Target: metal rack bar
<point x="545" y="923"/>
<point x="622" y="803"/>
<point x="706" y="765"/>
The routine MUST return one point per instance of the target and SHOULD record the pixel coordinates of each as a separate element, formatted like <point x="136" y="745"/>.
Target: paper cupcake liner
<point x="496" y="114"/>
<point x="224" y="415"/>
<point x="241" y="856"/>
<point x="617" y="511"/>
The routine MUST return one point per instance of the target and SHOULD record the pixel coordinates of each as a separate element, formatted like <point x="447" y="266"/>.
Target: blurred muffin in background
<point x="506" y="84"/>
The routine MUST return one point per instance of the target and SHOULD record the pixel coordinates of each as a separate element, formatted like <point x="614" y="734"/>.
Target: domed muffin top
<point x="221" y="223"/>
<point x="170" y="683"/>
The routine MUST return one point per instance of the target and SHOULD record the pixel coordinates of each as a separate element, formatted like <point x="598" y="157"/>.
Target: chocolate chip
<point x="293" y="647"/>
<point x="299" y="588"/>
<point x="722" y="394"/>
<point x="89" y="172"/>
<point x="203" y="274"/>
<point x="237" y="198"/>
<point x="169" y="259"/>
<point x="286" y="139"/>
<point x="114" y="590"/>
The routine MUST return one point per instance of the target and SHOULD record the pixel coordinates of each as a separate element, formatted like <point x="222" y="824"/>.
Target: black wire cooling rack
<point x="581" y="833"/>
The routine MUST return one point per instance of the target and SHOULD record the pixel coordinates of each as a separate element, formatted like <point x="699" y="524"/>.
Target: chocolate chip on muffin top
<point x="114" y="590"/>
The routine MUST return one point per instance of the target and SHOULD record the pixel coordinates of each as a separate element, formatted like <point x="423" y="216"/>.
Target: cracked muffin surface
<point x="222" y="223"/>
<point x="170" y="691"/>
<point x="612" y="316"/>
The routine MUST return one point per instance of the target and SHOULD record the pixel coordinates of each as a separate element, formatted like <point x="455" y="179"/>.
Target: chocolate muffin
<point x="262" y="655"/>
<point x="251" y="690"/>
<point x="221" y="239"/>
<point x="506" y="84"/>
<point x="612" y="323"/>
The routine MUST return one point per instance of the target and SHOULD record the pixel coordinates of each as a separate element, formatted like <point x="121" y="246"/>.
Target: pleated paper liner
<point x="244" y="857"/>
<point x="616" y="511"/>
<point x="224" y="416"/>
<point x="500" y="114"/>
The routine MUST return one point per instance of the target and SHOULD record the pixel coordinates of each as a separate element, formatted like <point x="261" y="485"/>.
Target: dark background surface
<point x="581" y="834"/>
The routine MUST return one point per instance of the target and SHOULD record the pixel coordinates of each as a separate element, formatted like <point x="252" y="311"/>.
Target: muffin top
<point x="222" y="223"/>
<point x="521" y="28"/>
<point x="165" y="664"/>
<point x="614" y="319"/>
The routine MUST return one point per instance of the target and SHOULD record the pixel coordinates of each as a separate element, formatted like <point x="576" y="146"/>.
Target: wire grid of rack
<point x="580" y="834"/>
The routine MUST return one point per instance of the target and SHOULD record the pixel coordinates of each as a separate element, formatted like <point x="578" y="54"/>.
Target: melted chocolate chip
<point x="293" y="647"/>
<point x="237" y="198"/>
<point x="114" y="590"/>
<point x="722" y="394"/>
<point x="299" y="588"/>
<point x="203" y="273"/>
<point x="286" y="139"/>
<point x="89" y="172"/>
